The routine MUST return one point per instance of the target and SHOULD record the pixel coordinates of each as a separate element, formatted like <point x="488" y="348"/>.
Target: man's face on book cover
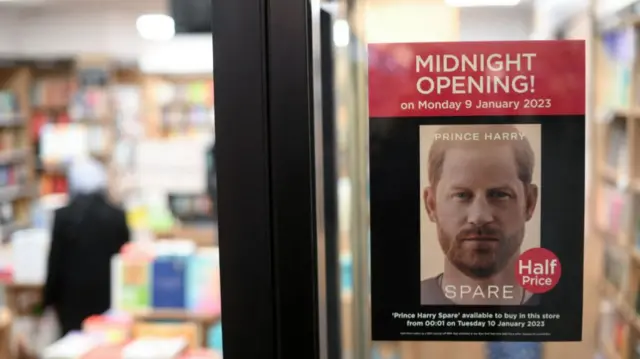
<point x="480" y="207"/>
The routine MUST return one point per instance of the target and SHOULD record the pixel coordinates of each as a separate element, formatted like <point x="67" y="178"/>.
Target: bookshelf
<point x="51" y="109"/>
<point x="616" y="187"/>
<point x="52" y="86"/>
<point x="126" y="90"/>
<point x="71" y="113"/>
<point x="178" y="105"/>
<point x="16" y="160"/>
<point x="94" y="109"/>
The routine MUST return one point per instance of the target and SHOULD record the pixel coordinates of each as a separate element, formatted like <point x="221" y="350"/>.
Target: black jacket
<point x="86" y="235"/>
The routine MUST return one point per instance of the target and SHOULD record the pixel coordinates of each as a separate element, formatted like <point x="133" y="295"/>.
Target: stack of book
<point x="176" y="276"/>
<point x="187" y="108"/>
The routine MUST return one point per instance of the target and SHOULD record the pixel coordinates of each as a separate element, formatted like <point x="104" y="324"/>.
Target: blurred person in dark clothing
<point x="86" y="234"/>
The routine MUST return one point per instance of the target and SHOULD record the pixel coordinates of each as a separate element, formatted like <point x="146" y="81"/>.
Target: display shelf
<point x="203" y="236"/>
<point x="177" y="315"/>
<point x="202" y="321"/>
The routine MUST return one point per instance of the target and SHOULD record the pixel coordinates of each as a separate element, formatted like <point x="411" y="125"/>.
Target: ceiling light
<point x="182" y="55"/>
<point x="156" y="27"/>
<point x="341" y="33"/>
<point x="479" y="3"/>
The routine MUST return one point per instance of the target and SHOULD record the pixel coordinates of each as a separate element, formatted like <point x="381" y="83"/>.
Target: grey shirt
<point x="431" y="293"/>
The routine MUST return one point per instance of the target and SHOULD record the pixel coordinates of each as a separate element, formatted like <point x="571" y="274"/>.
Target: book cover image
<point x="477" y="174"/>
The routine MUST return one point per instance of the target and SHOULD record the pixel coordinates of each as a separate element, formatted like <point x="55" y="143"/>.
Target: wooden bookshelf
<point x="71" y="93"/>
<point x="95" y="77"/>
<point x="615" y="192"/>
<point x="127" y="95"/>
<point x="17" y="188"/>
<point x="177" y="315"/>
<point x="178" y="105"/>
<point x="51" y="89"/>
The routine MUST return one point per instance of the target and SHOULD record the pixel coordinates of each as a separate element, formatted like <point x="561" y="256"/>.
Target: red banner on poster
<point x="476" y="79"/>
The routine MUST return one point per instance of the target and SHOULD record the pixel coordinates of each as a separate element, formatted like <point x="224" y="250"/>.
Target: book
<point x="131" y="283"/>
<point x="214" y="337"/>
<point x="384" y="351"/>
<point x="168" y="286"/>
<point x="72" y="346"/>
<point x="617" y="142"/>
<point x="90" y="105"/>
<point x="105" y="352"/>
<point x="203" y="282"/>
<point x="616" y="264"/>
<point x="497" y="350"/>
<point x="52" y="92"/>
<point x="202" y="354"/>
<point x="9" y="107"/>
<point x="155" y="348"/>
<point x="30" y="250"/>
<point x="111" y="329"/>
<point x="618" y="210"/>
<point x="184" y="330"/>
<point x="636" y="223"/>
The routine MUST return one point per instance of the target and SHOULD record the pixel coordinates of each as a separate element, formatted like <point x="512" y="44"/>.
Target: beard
<point x="480" y="259"/>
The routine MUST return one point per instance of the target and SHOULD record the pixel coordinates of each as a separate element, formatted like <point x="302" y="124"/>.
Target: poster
<point x="477" y="169"/>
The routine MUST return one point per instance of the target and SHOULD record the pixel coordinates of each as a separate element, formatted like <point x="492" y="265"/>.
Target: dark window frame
<point x="266" y="170"/>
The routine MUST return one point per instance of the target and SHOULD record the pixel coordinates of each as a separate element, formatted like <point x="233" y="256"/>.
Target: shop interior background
<point x="154" y="96"/>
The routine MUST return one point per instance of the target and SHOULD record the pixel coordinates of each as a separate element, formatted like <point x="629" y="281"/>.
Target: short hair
<point x="87" y="176"/>
<point x="523" y="153"/>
